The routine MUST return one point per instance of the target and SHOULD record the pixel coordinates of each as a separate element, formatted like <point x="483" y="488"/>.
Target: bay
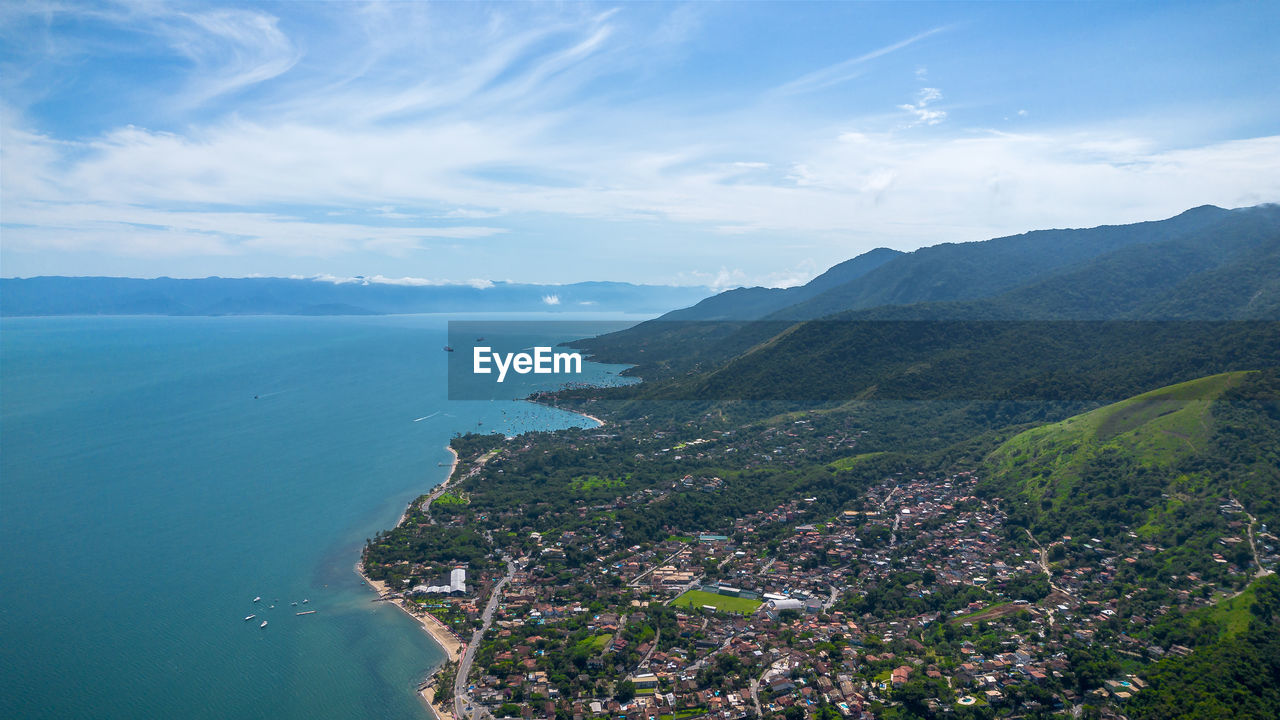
<point x="158" y="473"/>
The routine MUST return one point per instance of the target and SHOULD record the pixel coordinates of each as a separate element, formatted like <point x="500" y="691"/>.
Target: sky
<point x="708" y="143"/>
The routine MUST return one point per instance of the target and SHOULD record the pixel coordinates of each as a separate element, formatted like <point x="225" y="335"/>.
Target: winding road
<point x="460" y="698"/>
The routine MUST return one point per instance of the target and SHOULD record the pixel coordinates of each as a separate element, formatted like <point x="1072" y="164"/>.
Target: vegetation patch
<point x="595" y="643"/>
<point x="852" y="461"/>
<point x="726" y="603"/>
<point x="450" y="498"/>
<point x="590" y="483"/>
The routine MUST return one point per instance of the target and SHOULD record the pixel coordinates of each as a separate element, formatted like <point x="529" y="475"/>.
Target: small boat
<point x="264" y="624"/>
<point x="257" y="598"/>
<point x="294" y="603"/>
<point x="479" y="339"/>
<point x="448" y="349"/>
<point x="250" y="618"/>
<point x="305" y="601"/>
<point x="307" y="612"/>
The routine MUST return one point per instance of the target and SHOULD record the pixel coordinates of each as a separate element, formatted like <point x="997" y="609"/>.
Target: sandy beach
<point x="442" y="712"/>
<point x="439" y="632"/>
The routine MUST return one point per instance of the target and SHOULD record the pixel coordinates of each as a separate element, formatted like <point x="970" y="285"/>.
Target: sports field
<point x="698" y="598"/>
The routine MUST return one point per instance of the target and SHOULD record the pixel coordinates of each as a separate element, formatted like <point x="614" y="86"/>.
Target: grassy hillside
<point x="1156" y="428"/>
<point x="1160" y="469"/>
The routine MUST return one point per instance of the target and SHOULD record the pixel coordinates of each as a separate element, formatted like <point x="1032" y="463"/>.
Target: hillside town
<point x="914" y="595"/>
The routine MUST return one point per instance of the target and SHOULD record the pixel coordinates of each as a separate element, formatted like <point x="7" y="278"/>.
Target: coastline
<point x="440" y="634"/>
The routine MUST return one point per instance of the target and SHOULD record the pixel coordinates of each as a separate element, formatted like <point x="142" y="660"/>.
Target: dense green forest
<point x="1236" y="678"/>
<point x="1159" y="465"/>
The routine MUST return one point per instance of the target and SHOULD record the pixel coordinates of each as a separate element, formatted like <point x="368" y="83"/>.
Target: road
<point x="1044" y="564"/>
<point x="444" y="486"/>
<point x="636" y="580"/>
<point x="1262" y="572"/>
<point x="645" y="660"/>
<point x="460" y="697"/>
<point x="831" y="599"/>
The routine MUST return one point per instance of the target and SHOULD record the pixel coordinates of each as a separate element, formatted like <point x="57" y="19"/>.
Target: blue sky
<point x="709" y="143"/>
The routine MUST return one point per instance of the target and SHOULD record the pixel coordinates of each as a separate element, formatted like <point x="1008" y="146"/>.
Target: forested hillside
<point x="1206" y="264"/>
<point x="1155" y="468"/>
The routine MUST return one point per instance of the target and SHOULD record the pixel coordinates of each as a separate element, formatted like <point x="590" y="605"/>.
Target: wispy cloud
<point x="924" y="115"/>
<point x="847" y="69"/>
<point x="403" y="132"/>
<point x="479" y="284"/>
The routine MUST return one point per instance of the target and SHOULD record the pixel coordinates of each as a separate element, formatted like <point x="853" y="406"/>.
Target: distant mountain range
<point x="286" y="296"/>
<point x="1204" y="264"/>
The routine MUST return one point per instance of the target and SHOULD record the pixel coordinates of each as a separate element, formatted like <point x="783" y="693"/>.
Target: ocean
<point x="158" y="473"/>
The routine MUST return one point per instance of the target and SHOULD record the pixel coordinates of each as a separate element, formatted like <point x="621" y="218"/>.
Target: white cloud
<point x="551" y="299"/>
<point x="383" y="280"/>
<point x="920" y="108"/>
<point x="412" y="122"/>
<point x="727" y="279"/>
<point x="479" y="284"/>
<point x="847" y="69"/>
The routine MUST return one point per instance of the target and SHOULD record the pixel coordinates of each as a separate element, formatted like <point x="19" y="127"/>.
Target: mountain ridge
<point x="61" y="295"/>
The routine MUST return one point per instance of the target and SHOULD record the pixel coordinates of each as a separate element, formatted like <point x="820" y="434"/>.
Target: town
<point x="913" y="594"/>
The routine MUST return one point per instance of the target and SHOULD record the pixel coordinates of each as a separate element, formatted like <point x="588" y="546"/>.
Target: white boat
<point x="264" y="624"/>
<point x="257" y="598"/>
<point x="306" y="612"/>
<point x="305" y="601"/>
<point x="250" y="618"/>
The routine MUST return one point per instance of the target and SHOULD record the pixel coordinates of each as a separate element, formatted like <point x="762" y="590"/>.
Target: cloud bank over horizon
<point x="667" y="144"/>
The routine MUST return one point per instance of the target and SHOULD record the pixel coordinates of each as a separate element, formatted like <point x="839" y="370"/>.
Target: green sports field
<point x="698" y="598"/>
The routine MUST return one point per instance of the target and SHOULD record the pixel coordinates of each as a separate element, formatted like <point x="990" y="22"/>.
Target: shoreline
<point x="440" y="634"/>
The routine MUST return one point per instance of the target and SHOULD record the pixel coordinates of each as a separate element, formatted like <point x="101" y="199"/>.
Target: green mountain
<point x="757" y="302"/>
<point x="1164" y="468"/>
<point x="968" y="271"/>
<point x="1206" y="264"/>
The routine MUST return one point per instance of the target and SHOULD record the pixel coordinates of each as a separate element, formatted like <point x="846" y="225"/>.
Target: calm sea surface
<point x="147" y="496"/>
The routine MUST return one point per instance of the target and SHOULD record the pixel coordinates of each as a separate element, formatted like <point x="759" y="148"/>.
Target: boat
<point x="294" y="603"/>
<point x="448" y="349"/>
<point x="264" y="624"/>
<point x="480" y="339"/>
<point x="250" y="618"/>
<point x="257" y="598"/>
<point x="306" y="612"/>
<point x="305" y="601"/>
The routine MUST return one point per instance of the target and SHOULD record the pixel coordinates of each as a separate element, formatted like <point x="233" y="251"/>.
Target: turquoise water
<point x="147" y="497"/>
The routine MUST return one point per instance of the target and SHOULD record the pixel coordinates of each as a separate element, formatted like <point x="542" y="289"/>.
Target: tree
<point x="626" y="690"/>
